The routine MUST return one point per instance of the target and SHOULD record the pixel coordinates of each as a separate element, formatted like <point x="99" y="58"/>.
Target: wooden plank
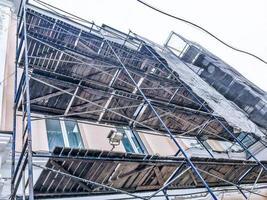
<point x="89" y="172"/>
<point x="107" y="171"/>
<point x="140" y="176"/>
<point x="183" y="180"/>
<point x="39" y="184"/>
<point x="134" y="176"/>
<point x="76" y="168"/>
<point x="167" y="171"/>
<point x="46" y="182"/>
<point x="134" y="171"/>
<point x="193" y="177"/>
<point x="68" y="164"/>
<point x="216" y="173"/>
<point x="142" y="179"/>
<point x="159" y="176"/>
<point x="84" y="186"/>
<point x="100" y="170"/>
<point x="130" y="180"/>
<point x="119" y="182"/>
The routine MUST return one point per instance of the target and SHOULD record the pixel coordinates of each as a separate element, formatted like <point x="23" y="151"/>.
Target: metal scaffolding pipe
<point x="137" y="87"/>
<point x="161" y="121"/>
<point x="204" y="106"/>
<point x="88" y="181"/>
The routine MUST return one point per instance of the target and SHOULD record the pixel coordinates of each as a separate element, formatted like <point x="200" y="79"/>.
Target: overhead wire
<point x="204" y="30"/>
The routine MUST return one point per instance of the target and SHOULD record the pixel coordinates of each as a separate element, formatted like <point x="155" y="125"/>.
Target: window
<point x="131" y="141"/>
<point x="246" y="139"/>
<point x="63" y="133"/>
<point x="223" y="146"/>
<point x="54" y="133"/>
<point x="74" y="136"/>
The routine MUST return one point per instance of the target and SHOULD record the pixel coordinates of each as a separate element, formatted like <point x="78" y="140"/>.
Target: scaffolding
<point x="78" y="70"/>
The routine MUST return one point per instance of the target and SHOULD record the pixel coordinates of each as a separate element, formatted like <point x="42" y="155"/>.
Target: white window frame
<point x="65" y="133"/>
<point x="130" y="135"/>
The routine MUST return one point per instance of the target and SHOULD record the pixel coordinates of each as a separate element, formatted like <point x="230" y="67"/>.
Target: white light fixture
<point x="114" y="138"/>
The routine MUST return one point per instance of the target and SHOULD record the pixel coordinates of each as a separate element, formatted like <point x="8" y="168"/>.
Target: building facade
<point x="100" y="114"/>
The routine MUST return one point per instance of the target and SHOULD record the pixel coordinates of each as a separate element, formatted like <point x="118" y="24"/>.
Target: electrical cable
<point x="203" y="29"/>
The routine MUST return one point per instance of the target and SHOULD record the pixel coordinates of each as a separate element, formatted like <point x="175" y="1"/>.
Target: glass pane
<point x="73" y="133"/>
<point x="127" y="145"/>
<point x="130" y="142"/>
<point x="54" y="133"/>
<point x="137" y="145"/>
<point x="248" y="141"/>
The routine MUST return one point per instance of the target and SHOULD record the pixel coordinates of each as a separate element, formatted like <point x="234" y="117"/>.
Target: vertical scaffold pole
<point x="13" y="146"/>
<point x="189" y="162"/>
<point x="28" y="109"/>
<point x="206" y="108"/>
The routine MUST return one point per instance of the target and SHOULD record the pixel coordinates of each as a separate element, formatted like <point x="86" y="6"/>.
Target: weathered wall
<point x="95" y="137"/>
<point x="7" y="58"/>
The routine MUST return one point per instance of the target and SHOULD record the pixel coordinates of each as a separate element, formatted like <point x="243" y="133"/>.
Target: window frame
<point x="64" y="133"/>
<point x="130" y="134"/>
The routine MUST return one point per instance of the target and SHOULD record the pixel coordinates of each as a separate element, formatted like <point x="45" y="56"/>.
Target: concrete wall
<point x="158" y="144"/>
<point x="95" y="137"/>
<point x="39" y="134"/>
<point x="7" y="59"/>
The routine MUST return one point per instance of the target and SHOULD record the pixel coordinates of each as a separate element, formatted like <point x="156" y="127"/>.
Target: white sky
<point x="241" y="23"/>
